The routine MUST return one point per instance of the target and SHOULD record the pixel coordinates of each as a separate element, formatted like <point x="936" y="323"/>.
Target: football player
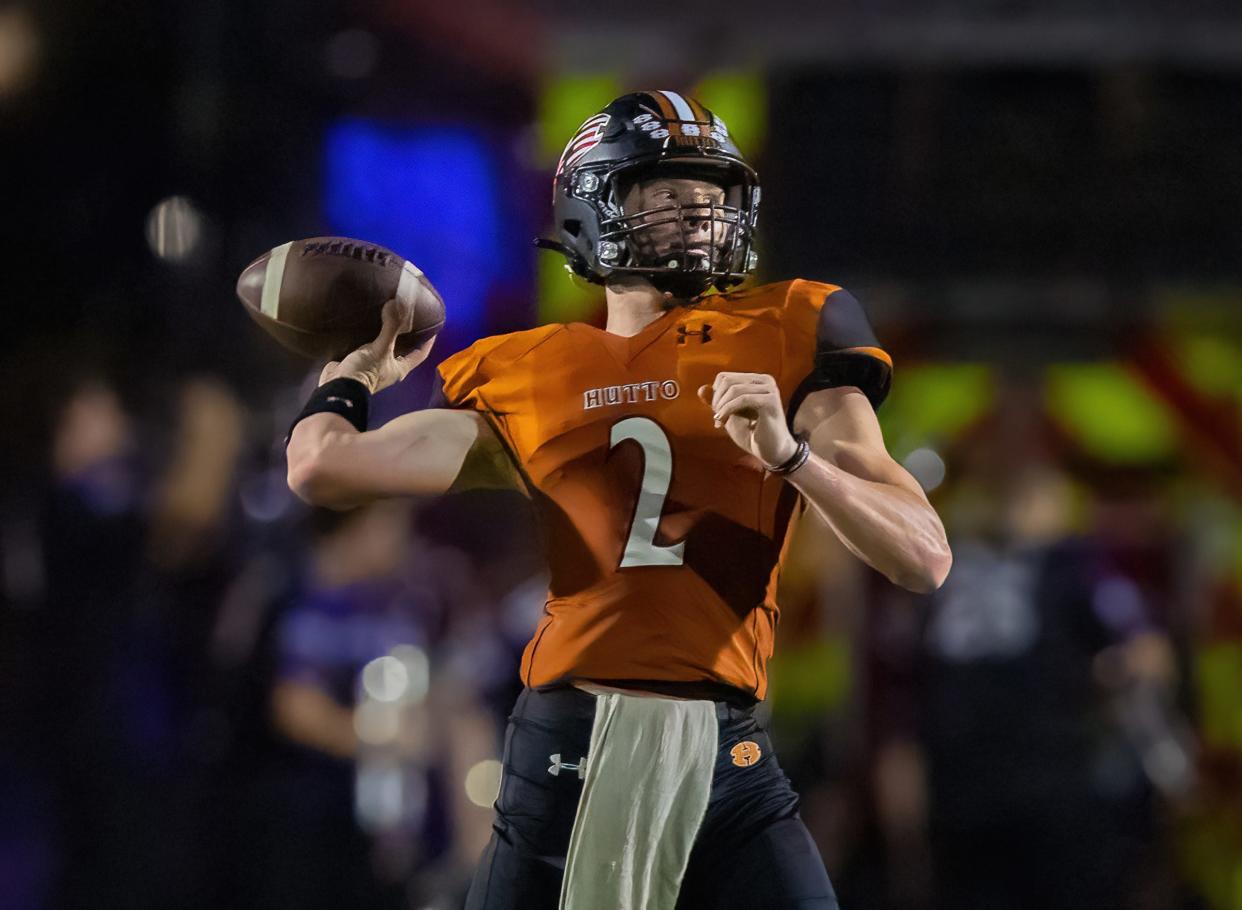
<point x="666" y="456"/>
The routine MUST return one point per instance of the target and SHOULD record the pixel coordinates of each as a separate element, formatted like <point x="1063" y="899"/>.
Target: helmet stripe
<point x="662" y="104"/>
<point x="679" y="105"/>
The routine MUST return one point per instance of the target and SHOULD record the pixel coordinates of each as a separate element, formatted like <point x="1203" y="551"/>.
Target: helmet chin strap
<point x="681" y="280"/>
<point x="688" y="272"/>
<point x="680" y="285"/>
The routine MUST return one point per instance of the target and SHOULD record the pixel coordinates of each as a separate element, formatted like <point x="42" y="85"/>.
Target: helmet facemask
<point x="680" y="247"/>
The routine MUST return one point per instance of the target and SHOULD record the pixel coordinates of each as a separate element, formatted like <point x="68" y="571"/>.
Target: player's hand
<point x="376" y="365"/>
<point x="748" y="406"/>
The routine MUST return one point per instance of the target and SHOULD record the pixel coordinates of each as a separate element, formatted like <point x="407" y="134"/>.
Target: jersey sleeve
<point x="830" y="343"/>
<point x="461" y="378"/>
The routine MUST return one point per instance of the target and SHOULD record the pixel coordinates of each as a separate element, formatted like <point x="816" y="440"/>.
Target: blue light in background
<point x="428" y="193"/>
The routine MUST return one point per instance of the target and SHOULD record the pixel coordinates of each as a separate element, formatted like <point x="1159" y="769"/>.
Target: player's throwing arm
<point x="333" y="463"/>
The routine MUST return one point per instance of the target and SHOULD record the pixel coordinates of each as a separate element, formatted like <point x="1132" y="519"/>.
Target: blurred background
<point x="210" y="697"/>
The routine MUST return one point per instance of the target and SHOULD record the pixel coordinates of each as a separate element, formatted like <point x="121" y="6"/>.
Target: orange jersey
<point x="664" y="538"/>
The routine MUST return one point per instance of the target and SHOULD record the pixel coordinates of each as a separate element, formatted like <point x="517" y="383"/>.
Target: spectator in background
<point x="1018" y="768"/>
<point x="371" y="810"/>
<point x="497" y="599"/>
<point x="350" y="610"/>
<point x="132" y="551"/>
<point x="79" y="561"/>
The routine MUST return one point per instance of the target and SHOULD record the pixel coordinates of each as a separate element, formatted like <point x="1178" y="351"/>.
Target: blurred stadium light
<point x="926" y="466"/>
<point x="1110" y="413"/>
<point x="934" y="402"/>
<point x="385" y="678"/>
<point x="740" y="99"/>
<point x="432" y="194"/>
<point x="564" y="102"/>
<point x="174" y="229"/>
<point x="483" y="782"/>
<point x="19" y="50"/>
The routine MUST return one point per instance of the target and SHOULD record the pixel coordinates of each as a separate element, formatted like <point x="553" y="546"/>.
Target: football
<point x="322" y="297"/>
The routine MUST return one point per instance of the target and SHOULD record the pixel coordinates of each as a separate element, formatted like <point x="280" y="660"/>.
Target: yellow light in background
<point x="741" y="100"/>
<point x="1218" y="679"/>
<point x="934" y="402"/>
<point x="483" y="782"/>
<point x="563" y="296"/>
<point x="814" y="679"/>
<point x="1237" y="551"/>
<point x="1202" y="328"/>
<point x="565" y="102"/>
<point x="1212" y="363"/>
<point x="1109" y="413"/>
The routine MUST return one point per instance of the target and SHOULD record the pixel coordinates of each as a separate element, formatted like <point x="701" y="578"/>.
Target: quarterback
<point x="666" y="456"/>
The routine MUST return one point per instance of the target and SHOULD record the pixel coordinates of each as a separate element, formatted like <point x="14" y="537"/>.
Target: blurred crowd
<point x="217" y="697"/>
<point x="214" y="696"/>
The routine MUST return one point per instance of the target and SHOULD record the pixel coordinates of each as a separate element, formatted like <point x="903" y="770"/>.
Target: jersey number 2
<point x="640" y="549"/>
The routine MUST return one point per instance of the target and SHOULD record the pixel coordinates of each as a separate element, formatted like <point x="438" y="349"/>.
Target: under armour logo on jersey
<point x="746" y="753"/>
<point x="704" y="336"/>
<point x="558" y="766"/>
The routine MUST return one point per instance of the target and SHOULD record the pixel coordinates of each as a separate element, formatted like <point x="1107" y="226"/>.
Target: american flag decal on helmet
<point x="589" y="135"/>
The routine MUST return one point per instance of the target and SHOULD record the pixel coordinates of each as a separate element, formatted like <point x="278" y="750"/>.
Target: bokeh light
<point x="20" y="50"/>
<point x="385" y="679"/>
<point x="483" y="782"/>
<point x="174" y="229"/>
<point x="927" y="467"/>
<point x="377" y="723"/>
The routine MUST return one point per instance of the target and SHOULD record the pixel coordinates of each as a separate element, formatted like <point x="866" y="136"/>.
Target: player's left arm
<point x="872" y="503"/>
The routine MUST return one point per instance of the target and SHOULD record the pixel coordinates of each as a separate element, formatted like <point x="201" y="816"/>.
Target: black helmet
<point x="637" y="136"/>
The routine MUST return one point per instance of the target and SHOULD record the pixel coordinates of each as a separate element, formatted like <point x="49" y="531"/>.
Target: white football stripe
<point x="272" y="278"/>
<point x="679" y="105"/>
<point x="408" y="285"/>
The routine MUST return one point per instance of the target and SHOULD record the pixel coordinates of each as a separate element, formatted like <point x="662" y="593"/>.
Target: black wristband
<point x="795" y="461"/>
<point x="347" y="397"/>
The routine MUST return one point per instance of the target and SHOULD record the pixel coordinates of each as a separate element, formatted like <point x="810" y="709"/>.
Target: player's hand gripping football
<point x="748" y="406"/>
<point x="376" y="365"/>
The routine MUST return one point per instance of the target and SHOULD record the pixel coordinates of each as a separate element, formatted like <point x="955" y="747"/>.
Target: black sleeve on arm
<point x="845" y="354"/>
<point x="846" y="350"/>
<point x="342" y="396"/>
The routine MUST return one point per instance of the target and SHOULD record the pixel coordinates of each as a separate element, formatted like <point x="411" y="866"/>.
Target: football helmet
<point x="638" y="136"/>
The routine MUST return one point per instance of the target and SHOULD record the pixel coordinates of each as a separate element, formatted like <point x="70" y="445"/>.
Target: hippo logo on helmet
<point x="589" y="135"/>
